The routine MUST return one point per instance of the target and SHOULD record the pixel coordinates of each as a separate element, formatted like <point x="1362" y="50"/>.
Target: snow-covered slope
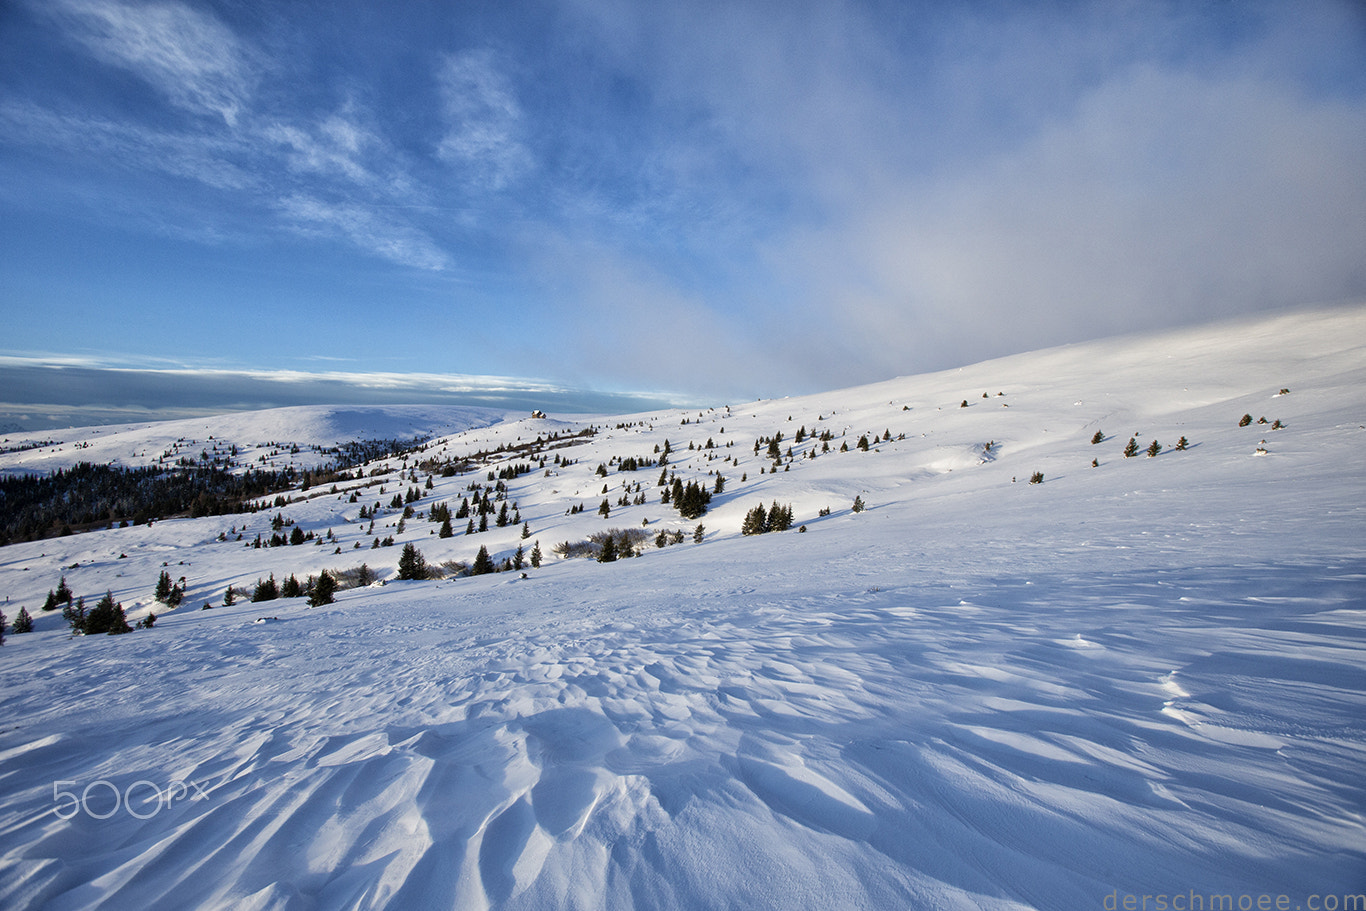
<point x="1142" y="678"/>
<point x="273" y="434"/>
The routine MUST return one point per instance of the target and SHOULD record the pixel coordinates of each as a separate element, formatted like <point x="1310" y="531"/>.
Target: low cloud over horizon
<point x="750" y="199"/>
<point x="44" y="394"/>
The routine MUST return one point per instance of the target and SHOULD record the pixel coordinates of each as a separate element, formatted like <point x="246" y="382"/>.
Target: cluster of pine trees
<point x="760" y="521"/>
<point x="691" y="499"/>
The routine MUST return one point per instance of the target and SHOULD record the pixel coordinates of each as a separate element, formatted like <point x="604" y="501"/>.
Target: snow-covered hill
<point x="278" y="437"/>
<point x="1142" y="677"/>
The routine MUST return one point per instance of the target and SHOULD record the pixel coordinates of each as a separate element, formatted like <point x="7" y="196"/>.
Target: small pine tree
<point x="51" y="603"/>
<point x="364" y="576"/>
<point x="23" y="623"/>
<point x="858" y="504"/>
<point x="411" y="563"/>
<point x="756" y="521"/>
<point x="291" y="588"/>
<point x="2" y="627"/>
<point x="107" y="617"/>
<point x="536" y="555"/>
<point x="863" y="441"/>
<point x="483" y="564"/>
<point x="1098" y="438"/>
<point x="1182" y="444"/>
<point x="266" y="591"/>
<point x="699" y="533"/>
<point x="526" y="530"/>
<point x="229" y="598"/>
<point x="74" y="615"/>
<point x="1245" y="420"/>
<point x="324" y="587"/>
<point x="64" y="593"/>
<point x="1131" y="449"/>
<point x="605" y="510"/>
<point x="1036" y="478"/>
<point x="608" y="552"/>
<point x="1153" y="449"/>
<point x="519" y="558"/>
<point x="446" y="530"/>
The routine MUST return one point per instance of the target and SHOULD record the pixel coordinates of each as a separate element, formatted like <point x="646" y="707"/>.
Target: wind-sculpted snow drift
<point x="1140" y="679"/>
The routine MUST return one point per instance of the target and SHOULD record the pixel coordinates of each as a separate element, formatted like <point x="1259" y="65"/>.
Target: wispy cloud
<point x="484" y="120"/>
<point x="367" y="228"/>
<point x="189" y="56"/>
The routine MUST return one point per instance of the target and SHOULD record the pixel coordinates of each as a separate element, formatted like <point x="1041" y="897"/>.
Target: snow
<point x="1143" y="678"/>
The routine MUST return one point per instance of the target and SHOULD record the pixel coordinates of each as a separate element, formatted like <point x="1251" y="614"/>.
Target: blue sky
<point x="690" y="201"/>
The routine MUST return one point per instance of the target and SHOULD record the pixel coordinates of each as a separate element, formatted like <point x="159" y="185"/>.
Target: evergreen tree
<point x="2" y="627"/>
<point x="445" y="531"/>
<point x="756" y="521"/>
<point x="266" y="591"/>
<point x="483" y="564"/>
<point x="1098" y="438"/>
<point x="64" y="594"/>
<point x="411" y="563"/>
<point x="519" y="558"/>
<point x="51" y="603"/>
<point x="1154" y="448"/>
<point x="605" y="510"/>
<point x="324" y="587"/>
<point x="107" y="617"/>
<point x="699" y="533"/>
<point x="1131" y="449"/>
<point x="23" y="623"/>
<point x="74" y="615"/>
<point x="364" y="576"/>
<point x="1181" y="444"/>
<point x="536" y="556"/>
<point x="858" y="504"/>
<point x="863" y="443"/>
<point x="291" y="588"/>
<point x="608" y="553"/>
<point x="526" y="530"/>
<point x="229" y="598"/>
<point x="296" y="537"/>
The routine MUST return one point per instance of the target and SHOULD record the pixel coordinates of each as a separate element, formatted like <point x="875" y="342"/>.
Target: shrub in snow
<point x="1098" y="438"/>
<point x="1181" y="444"/>
<point x="1154" y="448"/>
<point x="1036" y="478"/>
<point x="1131" y="449"/>
<point x="1245" y="420"/>
<point x="858" y="504"/>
